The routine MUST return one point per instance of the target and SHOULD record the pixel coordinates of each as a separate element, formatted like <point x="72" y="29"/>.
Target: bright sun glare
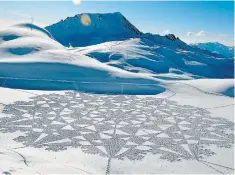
<point x="76" y="2"/>
<point x="85" y="19"/>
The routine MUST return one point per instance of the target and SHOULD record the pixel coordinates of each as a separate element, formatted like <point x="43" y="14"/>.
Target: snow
<point x="103" y="27"/>
<point x="18" y="158"/>
<point x="141" y="55"/>
<point x="218" y="48"/>
<point x="45" y="60"/>
<point x="220" y="86"/>
<point x="132" y="66"/>
<point x="149" y="104"/>
<point x="22" y="30"/>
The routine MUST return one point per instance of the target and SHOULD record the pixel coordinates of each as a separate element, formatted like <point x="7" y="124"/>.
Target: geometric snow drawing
<point x="117" y="127"/>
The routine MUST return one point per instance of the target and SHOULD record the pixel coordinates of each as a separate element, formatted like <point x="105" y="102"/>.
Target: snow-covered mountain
<point x="127" y="56"/>
<point x="143" y="56"/>
<point x="138" y="51"/>
<point x="215" y="47"/>
<point x="103" y="27"/>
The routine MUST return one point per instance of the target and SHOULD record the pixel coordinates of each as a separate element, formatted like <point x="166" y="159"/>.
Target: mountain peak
<point x="171" y="37"/>
<point x="101" y="28"/>
<point x="94" y="28"/>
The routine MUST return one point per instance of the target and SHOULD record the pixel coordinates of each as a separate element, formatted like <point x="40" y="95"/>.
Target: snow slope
<point x="166" y="62"/>
<point x="35" y="55"/>
<point x="122" y="45"/>
<point x="216" y="47"/>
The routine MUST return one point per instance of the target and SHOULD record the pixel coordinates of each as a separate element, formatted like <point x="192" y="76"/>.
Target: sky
<point x="198" y="21"/>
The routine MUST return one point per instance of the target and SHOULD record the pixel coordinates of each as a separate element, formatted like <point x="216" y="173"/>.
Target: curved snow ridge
<point x="34" y="28"/>
<point x="27" y="45"/>
<point x="65" y="57"/>
<point x="23" y="39"/>
<point x="23" y="30"/>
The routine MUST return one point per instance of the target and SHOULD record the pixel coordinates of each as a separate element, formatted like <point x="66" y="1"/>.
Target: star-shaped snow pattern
<point x="118" y="126"/>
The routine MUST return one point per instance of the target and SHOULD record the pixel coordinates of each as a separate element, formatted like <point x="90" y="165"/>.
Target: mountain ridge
<point x="104" y="27"/>
<point x="216" y="47"/>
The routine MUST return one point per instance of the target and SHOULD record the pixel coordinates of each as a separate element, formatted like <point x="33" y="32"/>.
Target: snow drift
<point x="37" y="61"/>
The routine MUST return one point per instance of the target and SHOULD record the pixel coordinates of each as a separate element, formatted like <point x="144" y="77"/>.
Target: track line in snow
<point x="70" y="81"/>
<point x="205" y="92"/>
<point x="211" y="167"/>
<point x="218" y="165"/>
<point x="216" y="107"/>
<point x="23" y="157"/>
<point x="84" y="82"/>
<point x="78" y="169"/>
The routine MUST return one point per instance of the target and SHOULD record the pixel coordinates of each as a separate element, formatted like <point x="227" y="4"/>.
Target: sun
<point x="76" y="2"/>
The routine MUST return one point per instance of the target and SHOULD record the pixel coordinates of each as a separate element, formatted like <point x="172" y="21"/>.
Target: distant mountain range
<point x="215" y="47"/>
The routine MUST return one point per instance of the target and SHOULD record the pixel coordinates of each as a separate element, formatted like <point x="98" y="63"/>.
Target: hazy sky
<point x="191" y="21"/>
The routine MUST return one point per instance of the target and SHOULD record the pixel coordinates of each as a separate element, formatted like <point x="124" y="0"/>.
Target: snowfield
<point x="65" y="132"/>
<point x="99" y="103"/>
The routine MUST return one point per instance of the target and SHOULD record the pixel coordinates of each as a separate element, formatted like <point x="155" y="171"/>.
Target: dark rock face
<point x="172" y="37"/>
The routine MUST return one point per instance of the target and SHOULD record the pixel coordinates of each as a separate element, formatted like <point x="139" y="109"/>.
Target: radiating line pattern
<point x="118" y="127"/>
